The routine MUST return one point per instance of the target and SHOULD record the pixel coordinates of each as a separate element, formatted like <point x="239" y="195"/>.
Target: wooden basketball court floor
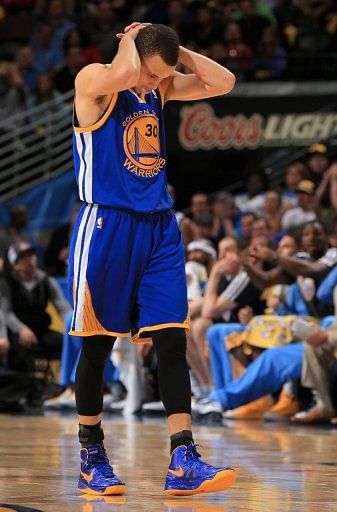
<point x="280" y="468"/>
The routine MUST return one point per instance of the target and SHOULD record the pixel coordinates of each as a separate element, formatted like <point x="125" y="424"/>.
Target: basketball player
<point x="126" y="265"/>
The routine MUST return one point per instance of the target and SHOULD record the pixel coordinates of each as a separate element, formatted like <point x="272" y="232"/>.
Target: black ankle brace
<point x="90" y="434"/>
<point x="184" y="437"/>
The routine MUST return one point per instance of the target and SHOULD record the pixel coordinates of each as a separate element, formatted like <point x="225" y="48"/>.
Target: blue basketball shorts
<point x="126" y="273"/>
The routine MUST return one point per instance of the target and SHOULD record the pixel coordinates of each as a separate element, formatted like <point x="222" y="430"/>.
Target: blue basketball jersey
<point x="120" y="160"/>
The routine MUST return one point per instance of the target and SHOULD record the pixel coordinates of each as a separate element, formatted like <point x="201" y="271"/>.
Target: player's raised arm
<point x="208" y="78"/>
<point x="97" y="80"/>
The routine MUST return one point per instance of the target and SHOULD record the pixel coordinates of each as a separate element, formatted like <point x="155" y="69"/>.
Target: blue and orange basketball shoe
<point x="97" y="476"/>
<point x="188" y="474"/>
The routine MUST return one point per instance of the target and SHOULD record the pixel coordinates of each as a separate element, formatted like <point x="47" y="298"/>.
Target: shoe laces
<point x="194" y="456"/>
<point x="100" y="460"/>
<point x="192" y="453"/>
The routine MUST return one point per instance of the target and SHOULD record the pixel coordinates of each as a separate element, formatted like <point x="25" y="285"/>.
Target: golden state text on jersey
<point x="120" y="160"/>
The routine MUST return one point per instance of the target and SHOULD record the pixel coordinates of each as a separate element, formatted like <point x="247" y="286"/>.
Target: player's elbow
<point x="224" y="83"/>
<point x="229" y="82"/>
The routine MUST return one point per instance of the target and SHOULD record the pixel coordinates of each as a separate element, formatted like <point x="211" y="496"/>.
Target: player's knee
<point x="169" y="341"/>
<point x="97" y="348"/>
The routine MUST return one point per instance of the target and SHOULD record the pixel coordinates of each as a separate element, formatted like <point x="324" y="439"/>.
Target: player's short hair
<point x="158" y="40"/>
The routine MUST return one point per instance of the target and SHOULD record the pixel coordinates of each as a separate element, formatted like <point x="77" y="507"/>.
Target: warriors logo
<point x="142" y="145"/>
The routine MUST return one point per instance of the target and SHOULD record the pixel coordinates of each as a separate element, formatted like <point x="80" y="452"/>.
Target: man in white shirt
<point x="304" y="211"/>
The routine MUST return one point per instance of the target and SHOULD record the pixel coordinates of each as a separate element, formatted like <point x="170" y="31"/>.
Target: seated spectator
<point x="270" y="59"/>
<point x="203" y="226"/>
<point x="199" y="204"/>
<point x="185" y="225"/>
<point x="55" y="16"/>
<point x="305" y="209"/>
<point x="253" y="197"/>
<point x="273" y="213"/>
<point x="261" y="230"/>
<point x="324" y="196"/>
<point x="25" y="65"/>
<point x="176" y="16"/>
<point x="294" y="173"/>
<point x="102" y="28"/>
<point x="318" y="162"/>
<point x="46" y="55"/>
<point x="57" y="250"/>
<point x="246" y="229"/>
<point x="15" y="387"/>
<point x="229" y="297"/>
<point x="237" y="55"/>
<point x="226" y="217"/>
<point x="252" y="24"/>
<point x="79" y="38"/>
<point x="65" y="77"/>
<point x="217" y="338"/>
<point x="201" y="257"/>
<point x="264" y="376"/>
<point x="206" y="28"/>
<point x="12" y="91"/>
<point x="15" y="231"/>
<point x="45" y="91"/>
<point x="320" y="352"/>
<point x="26" y="292"/>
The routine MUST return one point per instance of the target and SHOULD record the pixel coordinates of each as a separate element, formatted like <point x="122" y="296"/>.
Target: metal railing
<point x="35" y="145"/>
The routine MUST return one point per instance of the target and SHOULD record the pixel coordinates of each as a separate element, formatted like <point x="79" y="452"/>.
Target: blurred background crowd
<point x="261" y="263"/>
<point x="45" y="43"/>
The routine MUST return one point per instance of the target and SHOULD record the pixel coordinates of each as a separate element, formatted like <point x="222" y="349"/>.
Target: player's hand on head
<point x="132" y="30"/>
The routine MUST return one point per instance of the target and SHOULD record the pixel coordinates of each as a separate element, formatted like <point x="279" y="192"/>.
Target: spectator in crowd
<point x="206" y="28"/>
<point x="25" y="66"/>
<point x="15" y="387"/>
<point x="246" y="229"/>
<point x="237" y="54"/>
<point x="253" y="197"/>
<point x="46" y="55"/>
<point x="229" y="297"/>
<point x="270" y="59"/>
<point x="80" y="38"/>
<point x="320" y="352"/>
<point x="15" y="231"/>
<point x="55" y="16"/>
<point x="273" y="211"/>
<point x="102" y="29"/>
<point x="294" y="173"/>
<point x="226" y="218"/>
<point x="318" y="162"/>
<point x="333" y="185"/>
<point x="201" y="257"/>
<point x="177" y="16"/>
<point x="43" y="92"/>
<point x="203" y="226"/>
<point x="199" y="204"/>
<point x="186" y="227"/>
<point x="261" y="231"/>
<point x="12" y="91"/>
<point x="57" y="250"/>
<point x="26" y="292"/>
<point x="251" y="23"/>
<point x="65" y="77"/>
<point x="305" y="209"/>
